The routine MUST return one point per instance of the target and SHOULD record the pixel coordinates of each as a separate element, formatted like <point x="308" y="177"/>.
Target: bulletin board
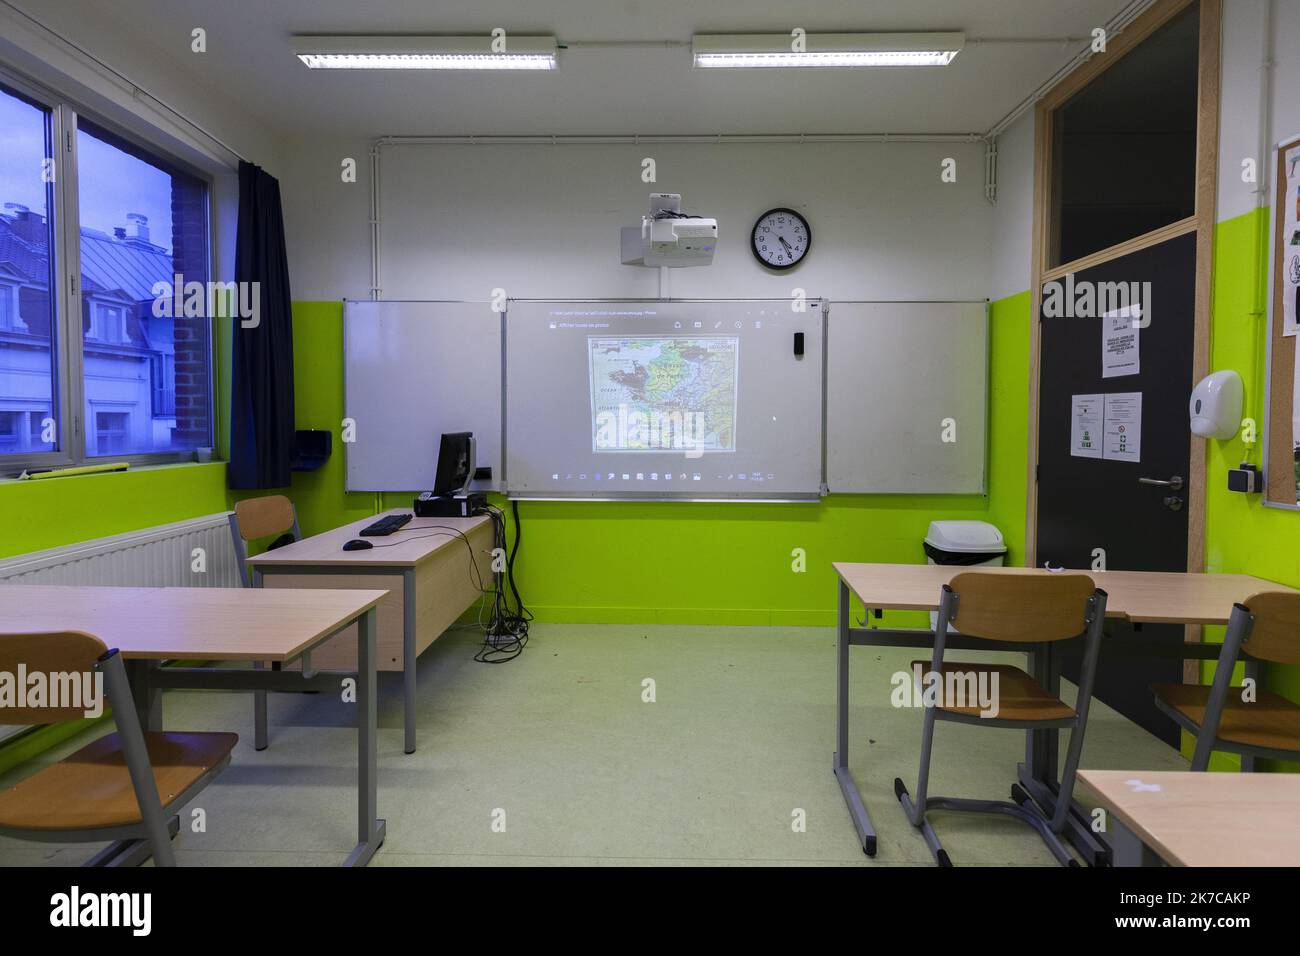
<point x="1282" y="421"/>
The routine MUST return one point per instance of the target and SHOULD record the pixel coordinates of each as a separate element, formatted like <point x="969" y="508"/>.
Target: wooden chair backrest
<point x="260" y="517"/>
<point x="63" y="658"/>
<point x="1031" y="608"/>
<point x="1275" y="635"/>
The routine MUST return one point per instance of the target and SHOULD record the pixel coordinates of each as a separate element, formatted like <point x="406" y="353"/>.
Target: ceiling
<point x="607" y="89"/>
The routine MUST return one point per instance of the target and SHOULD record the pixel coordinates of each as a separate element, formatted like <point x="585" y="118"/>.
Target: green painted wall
<point x="695" y="562"/>
<point x="35" y="515"/>
<point x="591" y="561"/>
<point x="704" y="563"/>
<point x="1241" y="534"/>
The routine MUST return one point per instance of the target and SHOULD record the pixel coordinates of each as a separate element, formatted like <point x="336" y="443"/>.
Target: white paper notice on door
<point x="1123" y="426"/>
<point x="1085" y="426"/>
<point x="1120" y="330"/>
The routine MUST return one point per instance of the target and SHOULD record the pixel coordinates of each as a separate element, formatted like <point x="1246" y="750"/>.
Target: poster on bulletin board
<point x="1289" y="274"/>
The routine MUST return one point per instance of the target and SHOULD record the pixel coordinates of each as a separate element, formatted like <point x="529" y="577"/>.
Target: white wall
<point x="33" y="53"/>
<point x="543" y="221"/>
<point x="327" y="220"/>
<point x="1013" y="217"/>
<point x="1239" y="106"/>
<point x="1239" y="132"/>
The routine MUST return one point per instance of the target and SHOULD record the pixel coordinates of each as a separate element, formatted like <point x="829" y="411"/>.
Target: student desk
<point x="440" y="567"/>
<point x="149" y="625"/>
<point x="1138" y="596"/>
<point x="1197" y="819"/>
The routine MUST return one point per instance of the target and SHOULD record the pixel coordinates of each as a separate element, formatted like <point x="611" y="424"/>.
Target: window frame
<point x="67" y="338"/>
<point x="9" y="304"/>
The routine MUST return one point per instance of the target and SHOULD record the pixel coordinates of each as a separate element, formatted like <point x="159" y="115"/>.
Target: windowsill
<point x="163" y="466"/>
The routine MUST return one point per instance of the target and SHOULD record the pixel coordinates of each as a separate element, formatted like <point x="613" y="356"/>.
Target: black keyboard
<point x="386" y="525"/>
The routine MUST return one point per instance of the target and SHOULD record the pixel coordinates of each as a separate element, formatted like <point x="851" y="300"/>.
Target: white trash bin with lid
<point x="972" y="544"/>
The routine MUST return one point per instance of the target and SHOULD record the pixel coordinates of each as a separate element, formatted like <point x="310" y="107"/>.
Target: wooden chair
<point x="257" y="518"/>
<point x="1019" y="609"/>
<point x="1266" y="628"/>
<point x="253" y="519"/>
<point x="127" y="786"/>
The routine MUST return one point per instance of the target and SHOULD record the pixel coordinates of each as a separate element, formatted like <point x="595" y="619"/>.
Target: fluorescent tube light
<point x="424" y="53"/>
<point x="764" y="50"/>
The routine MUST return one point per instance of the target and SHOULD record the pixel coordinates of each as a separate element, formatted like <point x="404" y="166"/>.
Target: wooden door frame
<point x="1201" y="223"/>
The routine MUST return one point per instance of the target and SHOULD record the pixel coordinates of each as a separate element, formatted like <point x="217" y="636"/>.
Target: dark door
<point x="1085" y="502"/>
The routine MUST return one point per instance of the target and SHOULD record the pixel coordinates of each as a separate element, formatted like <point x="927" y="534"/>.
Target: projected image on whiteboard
<point x="663" y="393"/>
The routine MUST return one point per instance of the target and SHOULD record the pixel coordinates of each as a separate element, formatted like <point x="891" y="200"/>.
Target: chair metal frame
<point x="1236" y="639"/>
<point x="132" y="844"/>
<point x="260" y="735"/>
<point x="1023" y="808"/>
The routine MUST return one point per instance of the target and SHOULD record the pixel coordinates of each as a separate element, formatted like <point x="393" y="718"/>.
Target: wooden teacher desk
<point x="434" y="569"/>
<point x="1153" y="597"/>
<point x="1197" y="819"/>
<point x="150" y="625"/>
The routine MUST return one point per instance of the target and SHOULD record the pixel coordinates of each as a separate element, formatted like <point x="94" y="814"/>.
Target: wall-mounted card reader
<point x="798" y="345"/>
<point x="1247" y="479"/>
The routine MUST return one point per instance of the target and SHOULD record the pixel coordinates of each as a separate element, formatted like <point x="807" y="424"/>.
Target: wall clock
<point x="781" y="238"/>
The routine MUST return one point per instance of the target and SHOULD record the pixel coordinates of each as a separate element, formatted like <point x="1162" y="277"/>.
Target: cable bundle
<point x="505" y="632"/>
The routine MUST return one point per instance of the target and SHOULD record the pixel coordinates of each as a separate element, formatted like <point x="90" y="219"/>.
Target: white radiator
<point x="163" y="556"/>
<point x="193" y="553"/>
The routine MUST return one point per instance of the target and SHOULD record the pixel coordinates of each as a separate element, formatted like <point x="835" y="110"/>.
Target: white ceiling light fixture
<point x="426" y="52"/>
<point x="764" y="50"/>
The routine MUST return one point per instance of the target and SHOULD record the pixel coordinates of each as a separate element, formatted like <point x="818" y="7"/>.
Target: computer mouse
<point x="358" y="544"/>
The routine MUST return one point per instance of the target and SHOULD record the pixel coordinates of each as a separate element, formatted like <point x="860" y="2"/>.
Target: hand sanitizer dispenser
<point x="1215" y="406"/>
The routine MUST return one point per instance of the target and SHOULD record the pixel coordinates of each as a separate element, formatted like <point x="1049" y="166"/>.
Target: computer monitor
<point x="455" y="463"/>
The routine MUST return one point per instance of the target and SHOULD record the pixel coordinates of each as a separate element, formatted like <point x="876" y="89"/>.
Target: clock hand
<point x="786" y="244"/>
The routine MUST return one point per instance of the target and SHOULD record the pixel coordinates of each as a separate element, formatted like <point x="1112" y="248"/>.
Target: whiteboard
<point x="413" y="370"/>
<point x="907" y="397"/>
<point x="684" y="399"/>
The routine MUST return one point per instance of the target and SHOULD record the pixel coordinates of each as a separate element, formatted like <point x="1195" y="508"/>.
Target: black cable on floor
<point x="506" y="630"/>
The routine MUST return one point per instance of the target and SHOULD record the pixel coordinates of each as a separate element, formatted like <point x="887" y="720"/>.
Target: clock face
<point x="781" y="238"/>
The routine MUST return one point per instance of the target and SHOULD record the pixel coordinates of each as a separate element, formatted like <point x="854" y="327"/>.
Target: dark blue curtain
<point x="261" y="391"/>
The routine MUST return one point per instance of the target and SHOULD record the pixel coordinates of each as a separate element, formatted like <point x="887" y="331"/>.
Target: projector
<point x="668" y="238"/>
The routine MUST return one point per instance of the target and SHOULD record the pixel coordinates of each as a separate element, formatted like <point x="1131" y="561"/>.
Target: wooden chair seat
<point x="92" y="788"/>
<point x="1271" y="722"/>
<point x="1019" y="696"/>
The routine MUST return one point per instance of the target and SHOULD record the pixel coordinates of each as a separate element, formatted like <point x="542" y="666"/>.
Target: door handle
<point x="1173" y="484"/>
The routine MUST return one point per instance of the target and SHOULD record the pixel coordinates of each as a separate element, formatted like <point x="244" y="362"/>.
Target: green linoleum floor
<point x="739" y="738"/>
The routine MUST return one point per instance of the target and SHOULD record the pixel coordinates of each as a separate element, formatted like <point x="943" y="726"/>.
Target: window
<point x="162" y="373"/>
<point x="11" y="428"/>
<point x="112" y="432"/>
<point x="143" y="225"/>
<point x="29" y="340"/>
<point x="107" y="323"/>
<point x="23" y="432"/>
<point x="1125" y="163"/>
<point x="8" y="307"/>
<point x="93" y="239"/>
